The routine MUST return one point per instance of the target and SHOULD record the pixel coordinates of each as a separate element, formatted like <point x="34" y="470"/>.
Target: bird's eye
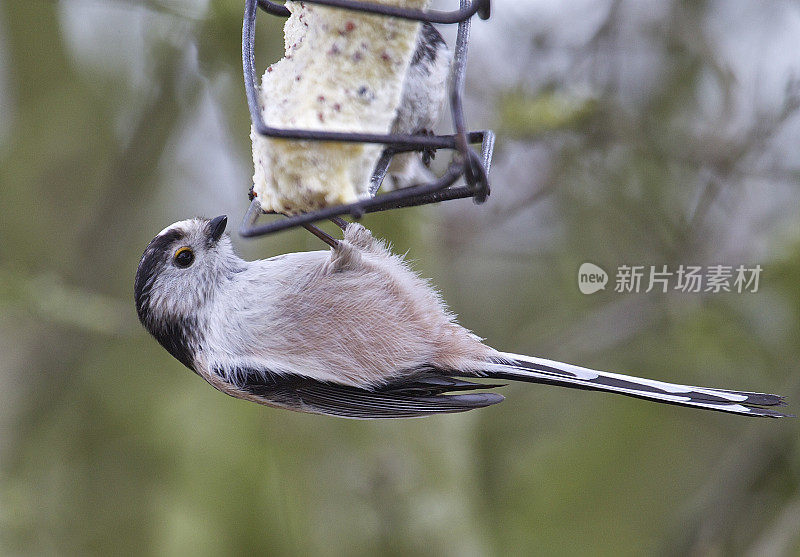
<point x="184" y="257"/>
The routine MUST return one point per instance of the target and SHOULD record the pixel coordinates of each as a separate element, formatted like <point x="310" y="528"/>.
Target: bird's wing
<point x="422" y="395"/>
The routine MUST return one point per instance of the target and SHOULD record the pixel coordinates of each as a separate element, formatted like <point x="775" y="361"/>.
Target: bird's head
<point x="179" y="274"/>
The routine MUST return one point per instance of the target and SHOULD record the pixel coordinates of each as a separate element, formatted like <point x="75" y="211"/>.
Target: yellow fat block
<point x="342" y="71"/>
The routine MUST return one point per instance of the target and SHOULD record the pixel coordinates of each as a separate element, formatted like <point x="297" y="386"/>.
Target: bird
<point x="421" y="102"/>
<point x="351" y="331"/>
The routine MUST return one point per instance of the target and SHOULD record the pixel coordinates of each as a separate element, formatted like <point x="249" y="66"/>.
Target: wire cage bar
<point x="466" y="162"/>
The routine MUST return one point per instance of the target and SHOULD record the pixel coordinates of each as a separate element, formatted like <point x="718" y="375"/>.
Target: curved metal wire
<point x="466" y="163"/>
<point x="480" y="7"/>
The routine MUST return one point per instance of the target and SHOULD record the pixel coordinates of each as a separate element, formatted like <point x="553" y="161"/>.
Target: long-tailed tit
<point x="349" y="332"/>
<point x="421" y="103"/>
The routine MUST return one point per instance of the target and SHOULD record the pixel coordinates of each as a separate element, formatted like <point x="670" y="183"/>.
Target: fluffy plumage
<point x="350" y="332"/>
<point x="424" y="94"/>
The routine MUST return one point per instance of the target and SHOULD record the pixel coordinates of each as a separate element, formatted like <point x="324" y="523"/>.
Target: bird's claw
<point x="428" y="153"/>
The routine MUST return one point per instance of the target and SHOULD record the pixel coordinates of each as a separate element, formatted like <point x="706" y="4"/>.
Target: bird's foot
<point x="428" y="153"/>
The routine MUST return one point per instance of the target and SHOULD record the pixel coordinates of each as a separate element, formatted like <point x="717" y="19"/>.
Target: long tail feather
<point x="539" y="370"/>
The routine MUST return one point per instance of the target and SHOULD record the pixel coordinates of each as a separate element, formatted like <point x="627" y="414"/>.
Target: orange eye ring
<point x="184" y="257"/>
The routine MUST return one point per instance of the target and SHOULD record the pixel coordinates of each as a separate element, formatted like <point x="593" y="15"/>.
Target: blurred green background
<point x="630" y="133"/>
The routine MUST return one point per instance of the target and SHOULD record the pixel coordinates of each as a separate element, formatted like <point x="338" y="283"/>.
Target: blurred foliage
<point x="638" y="133"/>
<point x="523" y="115"/>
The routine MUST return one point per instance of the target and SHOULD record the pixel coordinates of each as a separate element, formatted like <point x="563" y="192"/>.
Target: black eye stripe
<point x="152" y="260"/>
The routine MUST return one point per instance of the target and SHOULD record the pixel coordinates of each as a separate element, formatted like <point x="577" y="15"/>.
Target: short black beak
<point x="216" y="227"/>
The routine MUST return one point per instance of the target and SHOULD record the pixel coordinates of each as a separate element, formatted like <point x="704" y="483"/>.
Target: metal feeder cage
<point x="465" y="162"/>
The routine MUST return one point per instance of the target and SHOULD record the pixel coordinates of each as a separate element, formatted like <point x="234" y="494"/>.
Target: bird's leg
<point x="324" y="236"/>
<point x="340" y="222"/>
<point x="330" y="240"/>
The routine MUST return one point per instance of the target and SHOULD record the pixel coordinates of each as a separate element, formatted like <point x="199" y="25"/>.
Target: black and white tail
<point x="538" y="370"/>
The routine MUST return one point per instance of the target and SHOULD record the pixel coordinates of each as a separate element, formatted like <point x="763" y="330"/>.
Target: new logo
<point x="591" y="278"/>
